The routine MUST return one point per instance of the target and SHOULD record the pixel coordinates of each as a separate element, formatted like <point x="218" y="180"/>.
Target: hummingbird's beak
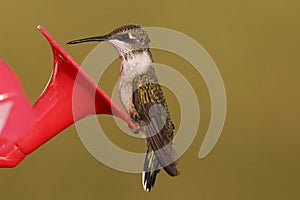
<point x="91" y="39"/>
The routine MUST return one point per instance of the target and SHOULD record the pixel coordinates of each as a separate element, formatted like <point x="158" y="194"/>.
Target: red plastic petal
<point x="60" y="104"/>
<point x="16" y="117"/>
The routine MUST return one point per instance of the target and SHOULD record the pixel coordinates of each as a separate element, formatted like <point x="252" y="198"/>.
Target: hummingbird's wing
<point x="156" y="123"/>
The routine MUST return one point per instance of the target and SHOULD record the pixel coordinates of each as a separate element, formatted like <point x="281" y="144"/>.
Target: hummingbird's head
<point x="126" y="39"/>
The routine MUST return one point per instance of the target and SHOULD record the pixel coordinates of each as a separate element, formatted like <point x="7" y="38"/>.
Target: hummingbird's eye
<point x="123" y="37"/>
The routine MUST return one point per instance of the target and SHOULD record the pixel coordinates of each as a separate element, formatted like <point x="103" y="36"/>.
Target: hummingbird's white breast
<point x="135" y="65"/>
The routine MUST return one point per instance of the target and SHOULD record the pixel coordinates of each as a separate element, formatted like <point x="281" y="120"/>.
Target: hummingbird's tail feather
<point x="151" y="169"/>
<point x="162" y="146"/>
<point x="160" y="153"/>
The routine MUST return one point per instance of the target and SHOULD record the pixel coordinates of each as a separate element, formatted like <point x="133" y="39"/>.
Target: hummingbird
<point x="142" y="97"/>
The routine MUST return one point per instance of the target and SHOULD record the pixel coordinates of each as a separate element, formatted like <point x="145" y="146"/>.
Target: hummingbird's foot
<point x="134" y="115"/>
<point x="135" y="130"/>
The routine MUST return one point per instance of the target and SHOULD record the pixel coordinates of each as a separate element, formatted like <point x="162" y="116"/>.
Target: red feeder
<point x="59" y="106"/>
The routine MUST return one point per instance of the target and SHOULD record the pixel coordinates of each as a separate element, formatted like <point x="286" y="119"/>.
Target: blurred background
<point x="254" y="43"/>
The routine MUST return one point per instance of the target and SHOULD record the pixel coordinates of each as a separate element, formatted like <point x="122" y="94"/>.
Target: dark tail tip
<point x="148" y="180"/>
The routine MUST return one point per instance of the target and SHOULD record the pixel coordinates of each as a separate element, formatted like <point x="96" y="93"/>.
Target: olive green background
<point x="256" y="47"/>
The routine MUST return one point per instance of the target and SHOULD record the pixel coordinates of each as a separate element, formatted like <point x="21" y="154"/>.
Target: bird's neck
<point x="135" y="63"/>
